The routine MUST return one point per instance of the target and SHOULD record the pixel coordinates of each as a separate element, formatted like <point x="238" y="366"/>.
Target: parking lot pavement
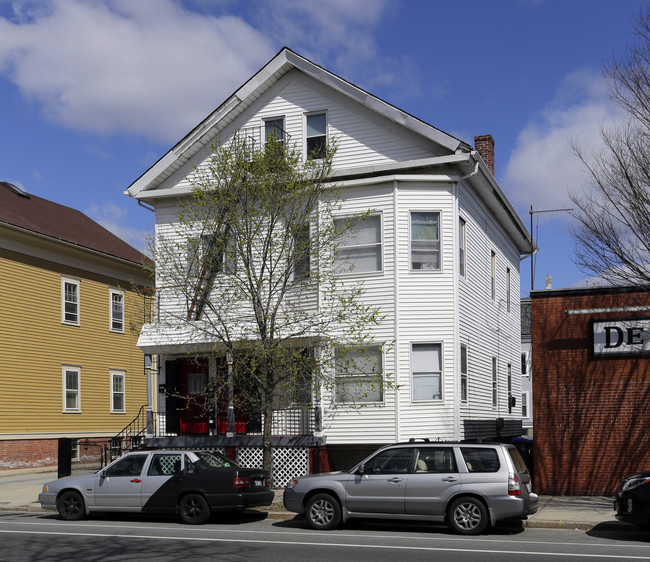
<point x="19" y="491"/>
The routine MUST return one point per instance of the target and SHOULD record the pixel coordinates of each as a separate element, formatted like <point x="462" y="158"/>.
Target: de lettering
<point x="615" y="336"/>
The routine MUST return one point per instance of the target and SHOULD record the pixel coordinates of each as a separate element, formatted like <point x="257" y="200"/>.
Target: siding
<point x="36" y="345"/>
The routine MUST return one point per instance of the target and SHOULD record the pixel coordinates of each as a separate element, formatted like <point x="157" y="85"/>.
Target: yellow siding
<point x="36" y="344"/>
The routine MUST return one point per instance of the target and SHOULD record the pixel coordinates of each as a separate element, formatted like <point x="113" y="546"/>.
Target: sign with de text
<point x="621" y="337"/>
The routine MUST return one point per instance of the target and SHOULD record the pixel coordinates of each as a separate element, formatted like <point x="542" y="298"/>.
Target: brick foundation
<point x="28" y="453"/>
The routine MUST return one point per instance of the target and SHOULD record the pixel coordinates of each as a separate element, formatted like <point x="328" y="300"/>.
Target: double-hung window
<point x="118" y="403"/>
<point x="524" y="405"/>
<point x="463" y="373"/>
<point x="70" y="301"/>
<point x="425" y="240"/>
<point x="117" y="310"/>
<point x="358" y="376"/>
<point x="211" y="254"/>
<point x="316" y="135"/>
<point x="462" y="242"/>
<point x="71" y="389"/>
<point x="426" y="369"/>
<point x="493" y="280"/>
<point x="359" y="249"/>
<point x="274" y="129"/>
<point x="495" y="386"/>
<point x="301" y="252"/>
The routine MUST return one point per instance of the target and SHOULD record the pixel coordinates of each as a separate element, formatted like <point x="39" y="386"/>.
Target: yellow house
<point x="69" y="322"/>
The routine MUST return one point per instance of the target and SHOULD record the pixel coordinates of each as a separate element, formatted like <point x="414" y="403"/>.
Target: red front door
<point x="194" y="403"/>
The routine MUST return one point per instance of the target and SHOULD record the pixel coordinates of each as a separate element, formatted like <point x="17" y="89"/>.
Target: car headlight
<point x="634" y="482"/>
<point x="292" y="483"/>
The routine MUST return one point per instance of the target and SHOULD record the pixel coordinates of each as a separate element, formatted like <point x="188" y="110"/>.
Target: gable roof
<point x="35" y="214"/>
<point x="285" y="61"/>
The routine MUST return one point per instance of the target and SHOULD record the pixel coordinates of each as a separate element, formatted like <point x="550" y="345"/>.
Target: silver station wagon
<point x="191" y="484"/>
<point x="468" y="486"/>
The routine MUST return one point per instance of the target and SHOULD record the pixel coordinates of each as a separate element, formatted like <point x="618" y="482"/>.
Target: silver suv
<point x="466" y="485"/>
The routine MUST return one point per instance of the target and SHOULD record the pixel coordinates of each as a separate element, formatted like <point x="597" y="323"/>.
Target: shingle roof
<point x="45" y="217"/>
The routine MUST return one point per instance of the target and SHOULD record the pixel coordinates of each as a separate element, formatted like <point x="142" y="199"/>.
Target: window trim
<point x="410" y="222"/>
<point x="525" y="369"/>
<point x="508" y="289"/>
<point x="306" y="116"/>
<point x="64" y="371"/>
<point x="282" y="118"/>
<point x="379" y="349"/>
<point x="120" y="293"/>
<point x="441" y="372"/>
<point x="77" y="284"/>
<point x="352" y="271"/>
<point x="462" y="247"/>
<point x="117" y="373"/>
<point x="297" y="265"/>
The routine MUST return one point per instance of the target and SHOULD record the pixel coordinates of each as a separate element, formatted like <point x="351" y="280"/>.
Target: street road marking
<point x="303" y="543"/>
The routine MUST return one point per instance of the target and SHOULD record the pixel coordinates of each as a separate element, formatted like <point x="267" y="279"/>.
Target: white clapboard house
<point x="454" y="326"/>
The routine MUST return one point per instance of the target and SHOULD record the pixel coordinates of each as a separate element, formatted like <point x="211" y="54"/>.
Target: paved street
<point x="31" y="536"/>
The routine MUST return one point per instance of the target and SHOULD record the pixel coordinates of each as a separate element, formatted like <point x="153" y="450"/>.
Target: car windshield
<point x="215" y="460"/>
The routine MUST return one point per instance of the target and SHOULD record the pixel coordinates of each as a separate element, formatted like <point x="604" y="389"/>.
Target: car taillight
<point x="267" y="482"/>
<point x="240" y="482"/>
<point x="514" y="488"/>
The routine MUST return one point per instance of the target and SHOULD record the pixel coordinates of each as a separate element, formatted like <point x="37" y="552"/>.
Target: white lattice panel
<point x="288" y="462"/>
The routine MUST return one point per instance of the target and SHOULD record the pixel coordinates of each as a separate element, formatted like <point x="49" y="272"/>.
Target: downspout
<point x="456" y="318"/>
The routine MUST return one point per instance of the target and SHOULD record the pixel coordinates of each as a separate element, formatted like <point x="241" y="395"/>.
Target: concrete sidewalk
<point x="19" y="491"/>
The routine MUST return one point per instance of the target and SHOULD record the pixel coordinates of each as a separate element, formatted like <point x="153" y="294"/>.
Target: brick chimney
<point x="484" y="145"/>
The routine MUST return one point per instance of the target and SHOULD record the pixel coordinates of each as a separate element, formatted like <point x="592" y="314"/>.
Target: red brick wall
<point x="591" y="415"/>
<point x="29" y="453"/>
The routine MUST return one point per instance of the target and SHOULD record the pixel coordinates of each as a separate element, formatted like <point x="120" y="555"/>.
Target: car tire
<point x="323" y="512"/>
<point x="70" y="506"/>
<point x="468" y="516"/>
<point x="194" y="509"/>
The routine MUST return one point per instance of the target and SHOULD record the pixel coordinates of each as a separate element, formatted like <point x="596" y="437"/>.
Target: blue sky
<point x="93" y="92"/>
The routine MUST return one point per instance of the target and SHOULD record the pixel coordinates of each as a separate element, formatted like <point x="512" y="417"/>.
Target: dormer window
<point x="316" y="135"/>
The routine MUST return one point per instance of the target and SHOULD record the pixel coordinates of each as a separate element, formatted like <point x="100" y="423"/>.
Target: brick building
<point x="591" y="387"/>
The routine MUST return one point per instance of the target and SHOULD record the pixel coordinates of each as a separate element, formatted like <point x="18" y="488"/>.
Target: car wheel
<point x="71" y="506"/>
<point x="468" y="516"/>
<point x="194" y="509"/>
<point x="323" y="512"/>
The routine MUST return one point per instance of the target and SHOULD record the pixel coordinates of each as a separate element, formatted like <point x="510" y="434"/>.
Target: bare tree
<point x="249" y="270"/>
<point x="613" y="219"/>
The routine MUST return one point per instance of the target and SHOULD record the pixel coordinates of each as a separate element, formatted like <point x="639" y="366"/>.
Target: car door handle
<point x="394" y="480"/>
<point x="449" y="479"/>
<point x="136" y="480"/>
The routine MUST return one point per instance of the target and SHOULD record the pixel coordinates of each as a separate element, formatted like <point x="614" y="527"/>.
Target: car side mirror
<point x="362" y="469"/>
<point x="102" y="473"/>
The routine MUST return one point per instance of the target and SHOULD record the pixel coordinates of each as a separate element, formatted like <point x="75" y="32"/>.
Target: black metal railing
<point x="132" y="436"/>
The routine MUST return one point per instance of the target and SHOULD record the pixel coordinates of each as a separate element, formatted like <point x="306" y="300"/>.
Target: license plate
<point x="258" y="483"/>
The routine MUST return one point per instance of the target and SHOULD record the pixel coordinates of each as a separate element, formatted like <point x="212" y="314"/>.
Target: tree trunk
<point x="267" y="451"/>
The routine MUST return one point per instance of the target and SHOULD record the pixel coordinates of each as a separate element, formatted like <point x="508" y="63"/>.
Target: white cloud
<point x="158" y="68"/>
<point x="152" y="68"/>
<point x="114" y="219"/>
<point x="543" y="168"/>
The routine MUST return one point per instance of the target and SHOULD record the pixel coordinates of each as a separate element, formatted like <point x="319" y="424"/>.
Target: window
<point x="425" y="240"/>
<point x="274" y="128"/>
<point x="426" y="367"/>
<point x="301" y="253"/>
<point x="358" y="376"/>
<point x="524" y="405"/>
<point x="390" y="461"/>
<point x="481" y="460"/>
<point x="71" y="389"/>
<point x="462" y="257"/>
<point x="510" y="398"/>
<point x="316" y="135"/>
<point x="117" y="311"/>
<point x="74" y="449"/>
<point x="359" y="250"/>
<point x="70" y="298"/>
<point x="524" y="363"/>
<point x="130" y="465"/>
<point x="438" y="460"/>
<point x="117" y="392"/>
<point x="493" y="287"/>
<point x="165" y="465"/>
<point x="211" y="254"/>
<point x="494" y="382"/>
<point x="508" y="289"/>
<point x="463" y="373"/>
